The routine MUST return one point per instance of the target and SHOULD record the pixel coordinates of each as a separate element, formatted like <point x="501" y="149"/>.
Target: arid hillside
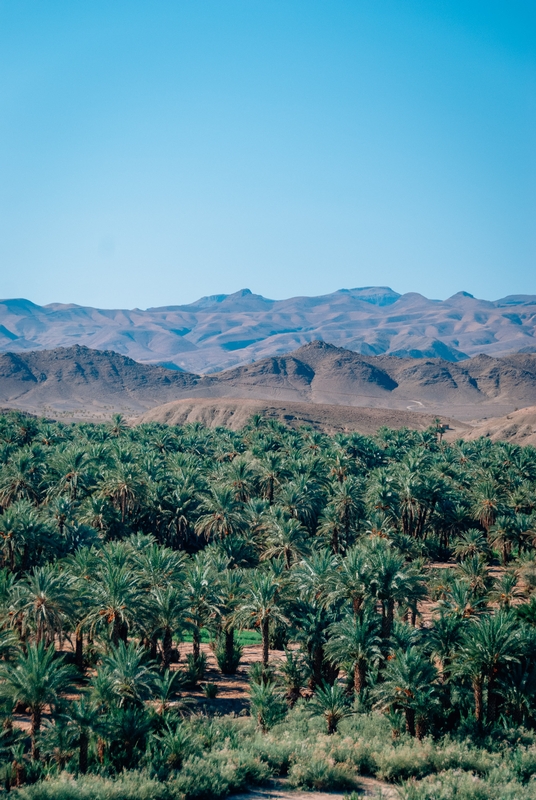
<point x="235" y="413"/>
<point x="92" y="383"/>
<point x="222" y="331"/>
<point x="519" y="427"/>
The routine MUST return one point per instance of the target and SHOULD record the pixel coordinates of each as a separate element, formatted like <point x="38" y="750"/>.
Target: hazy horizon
<point x="272" y="299"/>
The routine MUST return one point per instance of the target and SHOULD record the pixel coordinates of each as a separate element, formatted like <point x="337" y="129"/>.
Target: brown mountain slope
<point x="235" y="413"/>
<point x="519" y="427"/>
<point x="77" y="379"/>
<point x="321" y="373"/>
<point x="222" y="331"/>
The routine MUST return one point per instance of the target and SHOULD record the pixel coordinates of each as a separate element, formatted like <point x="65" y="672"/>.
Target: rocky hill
<point x="222" y="331"/>
<point x="94" y="383"/>
<point x="235" y="413"/>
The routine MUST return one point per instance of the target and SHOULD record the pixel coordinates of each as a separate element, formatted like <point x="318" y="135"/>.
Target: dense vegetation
<point x="395" y="574"/>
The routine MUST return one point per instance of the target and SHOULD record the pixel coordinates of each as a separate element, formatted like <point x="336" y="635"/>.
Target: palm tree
<point x="331" y="703"/>
<point x="230" y="584"/>
<point x="177" y="509"/>
<point x="271" y="473"/>
<point x="310" y="626"/>
<point x="166" y="614"/>
<point x="260" y="606"/>
<point x="129" y="677"/>
<point x="220" y="515"/>
<point x="266" y="704"/>
<point x="286" y="538"/>
<point x="240" y="476"/>
<point x="200" y="600"/>
<point x="408" y="685"/>
<point x="487" y="503"/>
<point x="460" y="600"/>
<point x="300" y="501"/>
<point x="115" y="601"/>
<point x="72" y="472"/>
<point x="506" y="589"/>
<point x="83" y="718"/>
<point x="350" y="581"/>
<point x="44" y="601"/>
<point x="354" y="643"/>
<point x="159" y="567"/>
<point x="347" y="505"/>
<point x="389" y="583"/>
<point x="124" y="485"/>
<point x="25" y="535"/>
<point x="20" y="478"/>
<point x="491" y="643"/>
<point x="475" y="572"/>
<point x="444" y="640"/>
<point x="471" y="543"/>
<point x="36" y="679"/>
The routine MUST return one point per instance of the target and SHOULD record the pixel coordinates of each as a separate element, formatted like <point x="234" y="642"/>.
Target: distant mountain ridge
<point x="222" y="331"/>
<point x="95" y="383"/>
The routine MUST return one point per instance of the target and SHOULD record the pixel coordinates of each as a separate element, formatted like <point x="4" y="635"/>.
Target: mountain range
<point x="92" y="383"/>
<point x="222" y="331"/>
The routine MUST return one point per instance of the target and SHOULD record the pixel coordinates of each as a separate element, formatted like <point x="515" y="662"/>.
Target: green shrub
<point x="266" y="704"/>
<point x="195" y="670"/>
<point x="128" y="786"/>
<point x="320" y="775"/>
<point x="228" y="663"/>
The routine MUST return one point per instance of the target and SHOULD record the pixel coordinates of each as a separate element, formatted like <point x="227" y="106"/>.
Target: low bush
<point x="321" y="775"/>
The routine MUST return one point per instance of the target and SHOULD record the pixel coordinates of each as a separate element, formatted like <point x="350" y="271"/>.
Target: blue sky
<point x="154" y="152"/>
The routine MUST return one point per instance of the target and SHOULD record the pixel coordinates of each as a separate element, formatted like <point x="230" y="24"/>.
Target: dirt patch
<point x="368" y="787"/>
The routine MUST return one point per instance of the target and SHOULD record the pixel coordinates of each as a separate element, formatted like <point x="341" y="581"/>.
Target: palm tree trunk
<point x="79" y="650"/>
<point x="34" y="732"/>
<point x="479" y="700"/>
<point x="83" y="744"/>
<point x="357" y="602"/>
<point x="167" y="647"/>
<point x="420" y="728"/>
<point x="318" y="660"/>
<point x="265" y="642"/>
<point x="410" y="721"/>
<point x="359" y="676"/>
<point x="229" y="645"/>
<point x="493" y="700"/>
<point x="388" y="615"/>
<point x="101" y="746"/>
<point x="196" y="642"/>
<point x="335" y="540"/>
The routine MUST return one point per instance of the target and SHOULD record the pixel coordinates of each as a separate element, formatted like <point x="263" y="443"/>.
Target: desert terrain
<point x="221" y="331"/>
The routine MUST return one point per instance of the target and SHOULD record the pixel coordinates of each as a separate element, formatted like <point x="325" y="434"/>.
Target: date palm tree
<point x="261" y="604"/>
<point x="354" y="643"/>
<point x="330" y="702"/>
<point x="220" y="514"/>
<point x="491" y="643"/>
<point x="286" y="538"/>
<point x="200" y="599"/>
<point x="129" y="676"/>
<point x="166" y="615"/>
<point x="408" y="685"/>
<point x="43" y="601"/>
<point x="115" y="600"/>
<point x="36" y="679"/>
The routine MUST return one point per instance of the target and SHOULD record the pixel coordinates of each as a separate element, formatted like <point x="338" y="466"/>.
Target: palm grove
<point x="395" y="573"/>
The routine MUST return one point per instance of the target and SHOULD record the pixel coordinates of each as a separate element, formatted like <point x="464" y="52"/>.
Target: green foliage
<point x="126" y="540"/>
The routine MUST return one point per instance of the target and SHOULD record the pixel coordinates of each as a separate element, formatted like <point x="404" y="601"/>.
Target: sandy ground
<point x="368" y="787"/>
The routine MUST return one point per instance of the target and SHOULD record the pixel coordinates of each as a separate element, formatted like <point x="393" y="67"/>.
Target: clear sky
<point x="153" y="152"/>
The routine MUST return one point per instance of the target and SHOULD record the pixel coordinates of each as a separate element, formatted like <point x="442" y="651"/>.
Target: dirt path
<point x="368" y="787"/>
